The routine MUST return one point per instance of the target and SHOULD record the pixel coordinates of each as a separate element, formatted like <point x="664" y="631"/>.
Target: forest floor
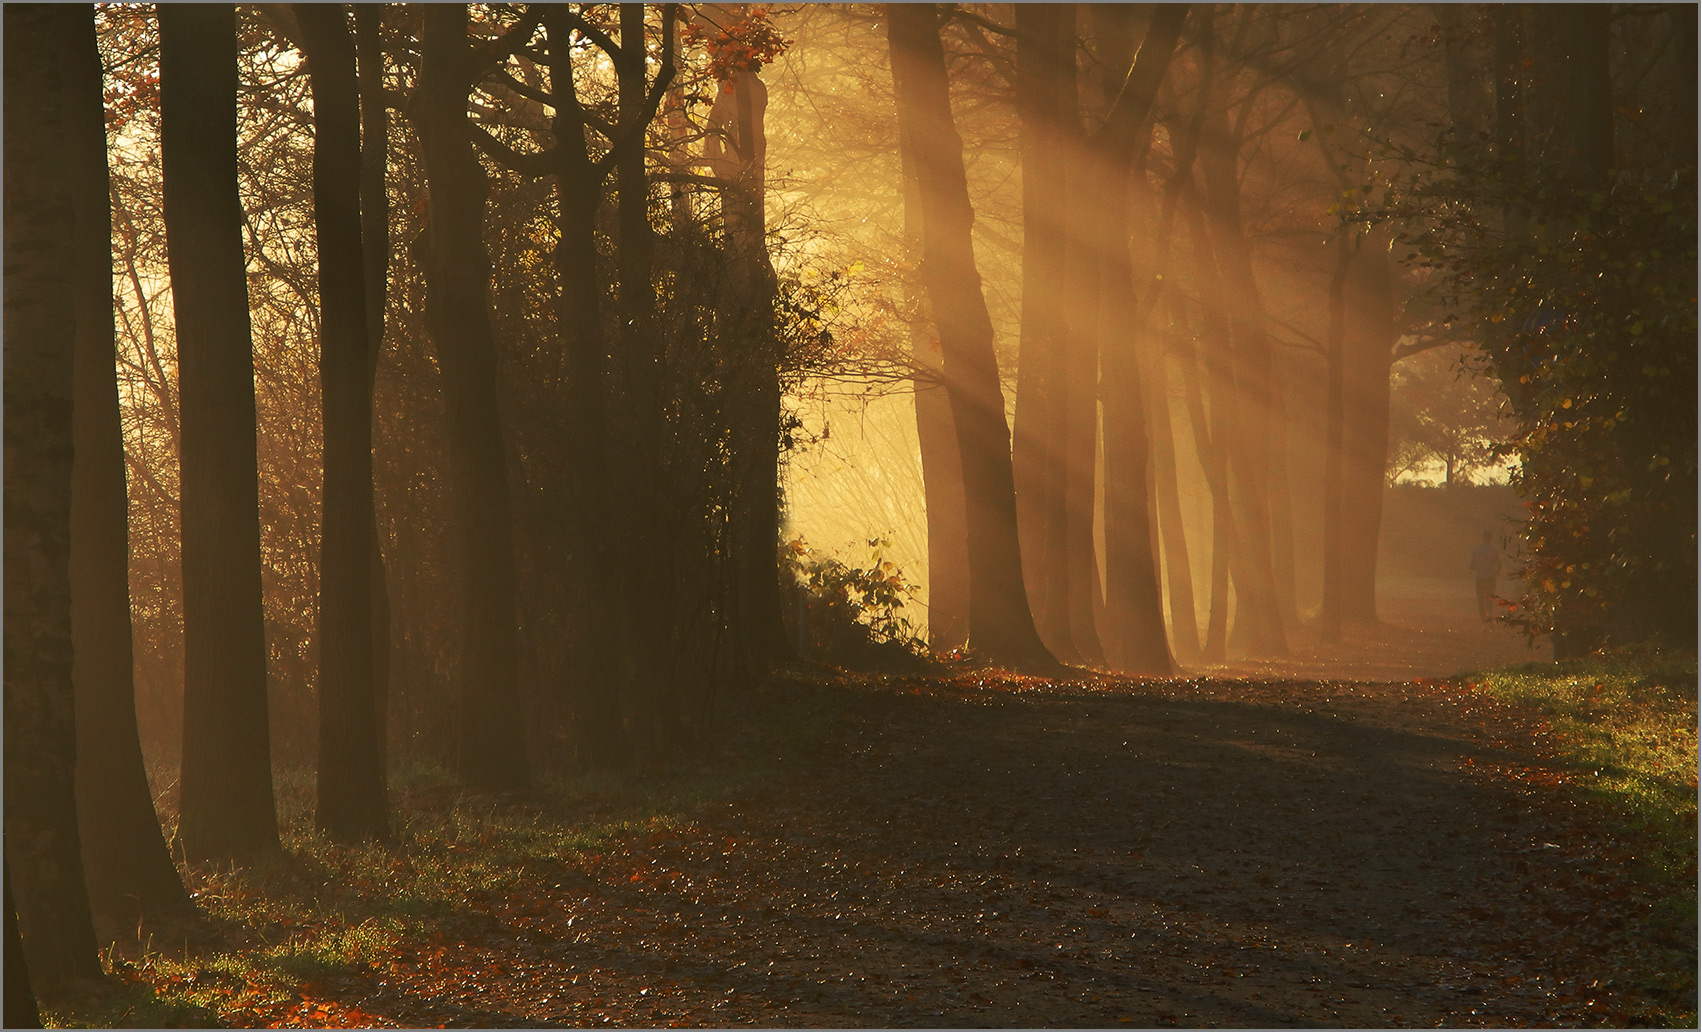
<point x="977" y="850"/>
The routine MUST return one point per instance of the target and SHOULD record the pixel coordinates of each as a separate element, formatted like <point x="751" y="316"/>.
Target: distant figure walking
<point x="1486" y="567"/>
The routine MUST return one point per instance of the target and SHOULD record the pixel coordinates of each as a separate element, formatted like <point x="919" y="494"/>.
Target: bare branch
<point x="537" y="163"/>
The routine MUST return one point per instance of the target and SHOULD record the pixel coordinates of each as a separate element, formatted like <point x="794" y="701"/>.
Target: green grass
<point x="1624" y="724"/>
<point x="284" y="928"/>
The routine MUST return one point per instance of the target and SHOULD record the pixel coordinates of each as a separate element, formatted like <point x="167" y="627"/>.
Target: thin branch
<point x="632" y="135"/>
<point x="592" y="33"/>
<point x="958" y="14"/>
<point x="500" y="49"/>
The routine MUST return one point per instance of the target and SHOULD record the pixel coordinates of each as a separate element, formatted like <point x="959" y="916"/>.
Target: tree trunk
<point x="1258" y="612"/>
<point x="1134" y="599"/>
<point x="739" y="157"/>
<point x="41" y="236"/>
<point x="652" y="717"/>
<point x="1371" y="335"/>
<point x="942" y="495"/>
<point x="599" y="737"/>
<point x="351" y="804"/>
<point x="1001" y="627"/>
<point x="942" y="464"/>
<point x="1049" y="134"/>
<point x="375" y="253"/>
<point x="131" y="879"/>
<point x="1214" y="435"/>
<point x="492" y="748"/>
<point x="1075" y="455"/>
<point x="936" y="441"/>
<point x="1184" y="619"/>
<point x="1335" y="415"/>
<point x="227" y="809"/>
<point x="20" y="1008"/>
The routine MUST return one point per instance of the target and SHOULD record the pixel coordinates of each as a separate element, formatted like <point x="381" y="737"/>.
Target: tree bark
<point x="351" y="803"/>
<point x="1134" y="600"/>
<point x="375" y="254"/>
<point x="1335" y="415"/>
<point x="936" y="440"/>
<point x="599" y="735"/>
<point x="653" y="723"/>
<point x="1184" y="619"/>
<point x="1370" y="339"/>
<point x="227" y="810"/>
<point x="1049" y="135"/>
<point x="492" y="748"/>
<point x="40" y="326"/>
<point x="1214" y="435"/>
<point x="130" y="876"/>
<point x="739" y="157"/>
<point x="1001" y="627"/>
<point x="20" y="1008"/>
<point x="1258" y="611"/>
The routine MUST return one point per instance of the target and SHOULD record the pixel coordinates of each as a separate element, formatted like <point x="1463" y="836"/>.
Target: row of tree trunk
<point x="66" y="528"/>
<point x="1093" y="434"/>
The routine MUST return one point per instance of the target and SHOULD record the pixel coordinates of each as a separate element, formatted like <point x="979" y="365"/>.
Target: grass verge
<point x="1624" y="724"/>
<point x="287" y="937"/>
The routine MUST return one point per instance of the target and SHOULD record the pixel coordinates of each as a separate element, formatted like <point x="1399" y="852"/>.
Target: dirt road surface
<point x="1213" y="852"/>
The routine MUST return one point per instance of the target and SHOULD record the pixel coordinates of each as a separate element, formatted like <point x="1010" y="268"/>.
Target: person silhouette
<point x="1486" y="568"/>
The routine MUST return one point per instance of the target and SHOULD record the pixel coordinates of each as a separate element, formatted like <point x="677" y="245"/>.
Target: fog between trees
<point x="1113" y="323"/>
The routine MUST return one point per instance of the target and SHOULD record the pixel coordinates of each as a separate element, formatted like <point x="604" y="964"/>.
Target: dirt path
<point x="1204" y="853"/>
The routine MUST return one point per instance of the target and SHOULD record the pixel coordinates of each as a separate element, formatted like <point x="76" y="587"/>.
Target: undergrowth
<point x="1624" y="723"/>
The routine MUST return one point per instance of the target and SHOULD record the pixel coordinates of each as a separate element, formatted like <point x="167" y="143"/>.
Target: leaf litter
<point x="990" y="850"/>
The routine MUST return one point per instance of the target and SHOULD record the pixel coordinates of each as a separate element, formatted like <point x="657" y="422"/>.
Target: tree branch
<point x="540" y="163"/>
<point x="592" y="33"/>
<point x="500" y="49"/>
<point x="633" y="134"/>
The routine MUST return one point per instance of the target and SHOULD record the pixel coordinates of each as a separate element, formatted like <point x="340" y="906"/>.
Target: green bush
<point x="850" y="615"/>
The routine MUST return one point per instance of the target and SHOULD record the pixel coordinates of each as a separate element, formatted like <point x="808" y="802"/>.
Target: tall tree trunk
<point x="1184" y="619"/>
<point x="130" y="874"/>
<point x="41" y="235"/>
<point x="1335" y="416"/>
<point x="1215" y="434"/>
<point x="1001" y="628"/>
<point x="1185" y="139"/>
<point x="1258" y="611"/>
<point x="652" y="715"/>
<point x="375" y="254"/>
<point x="1281" y="501"/>
<point x="739" y="156"/>
<point x="1049" y="134"/>
<point x="351" y="804"/>
<point x="599" y="736"/>
<point x="1134" y="600"/>
<point x="492" y="747"/>
<point x="1075" y="453"/>
<point x="942" y="496"/>
<point x="1368" y="346"/>
<point x="227" y="809"/>
<point x="936" y="441"/>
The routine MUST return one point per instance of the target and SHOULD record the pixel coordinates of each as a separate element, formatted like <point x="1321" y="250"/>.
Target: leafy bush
<point x="852" y="615"/>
